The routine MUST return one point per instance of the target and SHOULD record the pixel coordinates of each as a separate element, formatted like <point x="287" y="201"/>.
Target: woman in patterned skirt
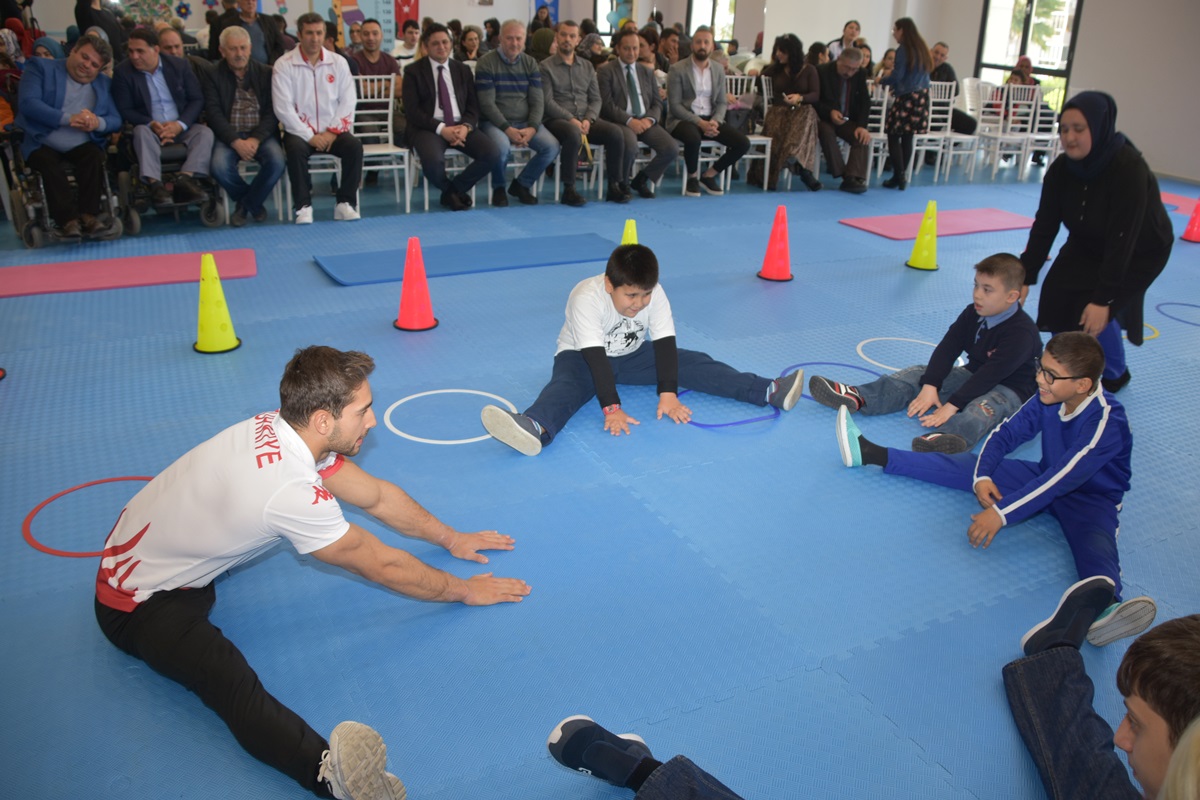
<point x="909" y="113"/>
<point x="792" y="120"/>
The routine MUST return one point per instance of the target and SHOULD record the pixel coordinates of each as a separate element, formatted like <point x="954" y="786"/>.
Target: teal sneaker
<point x="847" y="436"/>
<point x="1121" y="620"/>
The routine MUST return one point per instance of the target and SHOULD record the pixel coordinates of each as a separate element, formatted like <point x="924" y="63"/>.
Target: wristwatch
<point x="614" y="408"/>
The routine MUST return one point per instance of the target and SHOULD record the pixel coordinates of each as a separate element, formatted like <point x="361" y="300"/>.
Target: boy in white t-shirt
<point x="619" y="329"/>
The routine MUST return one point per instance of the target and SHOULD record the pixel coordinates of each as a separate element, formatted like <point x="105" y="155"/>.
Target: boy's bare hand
<point x="618" y="422"/>
<point x="668" y="403"/>
<point x="984" y="527"/>
<point x="987" y="493"/>
<point x="940" y="417"/>
<point x="926" y="399"/>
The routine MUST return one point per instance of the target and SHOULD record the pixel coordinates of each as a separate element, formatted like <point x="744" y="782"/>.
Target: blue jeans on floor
<point x="680" y="779"/>
<point x="1089" y="522"/>
<point x="1113" y="342"/>
<point x="271" y="164"/>
<point x="545" y="149"/>
<point x="892" y="393"/>
<point x="1050" y="695"/>
<point x="571" y="385"/>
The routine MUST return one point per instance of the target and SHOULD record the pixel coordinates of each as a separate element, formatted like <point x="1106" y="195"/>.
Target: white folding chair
<point x="1016" y="107"/>
<point x="1044" y="136"/>
<point x="881" y="98"/>
<point x="373" y="116"/>
<point x="941" y="101"/>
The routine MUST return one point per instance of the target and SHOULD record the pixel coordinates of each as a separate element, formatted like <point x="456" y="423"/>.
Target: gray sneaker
<point x="788" y="390"/>
<point x="515" y="430"/>
<point x="1120" y="620"/>
<point x="354" y="766"/>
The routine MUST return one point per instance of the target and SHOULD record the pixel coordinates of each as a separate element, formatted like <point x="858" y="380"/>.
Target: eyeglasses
<point x="1050" y="376"/>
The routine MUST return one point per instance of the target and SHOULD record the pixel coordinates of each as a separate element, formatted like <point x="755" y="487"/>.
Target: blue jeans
<point x="271" y="164"/>
<point x="1050" y="695"/>
<point x="680" y="779"/>
<point x="571" y="385"/>
<point x="1089" y="522"/>
<point x="545" y="149"/>
<point x="892" y="393"/>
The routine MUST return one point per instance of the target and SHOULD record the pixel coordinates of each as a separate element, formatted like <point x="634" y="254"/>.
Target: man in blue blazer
<point x="65" y="122"/>
<point x="160" y="96"/>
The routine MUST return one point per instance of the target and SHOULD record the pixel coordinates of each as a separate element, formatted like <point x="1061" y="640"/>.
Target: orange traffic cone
<point x="777" y="266"/>
<point x="1192" y="234"/>
<point x="416" y="309"/>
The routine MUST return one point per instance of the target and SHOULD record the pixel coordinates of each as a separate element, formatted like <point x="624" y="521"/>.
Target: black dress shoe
<point x="643" y="186"/>
<point x="571" y="197"/>
<point x="853" y="186"/>
<point x="452" y="201"/>
<point x="159" y="194"/>
<point x="615" y="194"/>
<point x="465" y="199"/>
<point x="521" y="193"/>
<point x="810" y="180"/>
<point x="188" y="191"/>
<point x="1114" y="385"/>
<point x="499" y="198"/>
<point x="896" y="182"/>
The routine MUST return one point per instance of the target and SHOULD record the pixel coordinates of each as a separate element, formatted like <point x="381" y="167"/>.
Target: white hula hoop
<point x="387" y="416"/>
<point x="958" y="362"/>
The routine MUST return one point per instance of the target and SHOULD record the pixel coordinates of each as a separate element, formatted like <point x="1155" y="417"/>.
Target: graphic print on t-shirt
<point x="624" y="337"/>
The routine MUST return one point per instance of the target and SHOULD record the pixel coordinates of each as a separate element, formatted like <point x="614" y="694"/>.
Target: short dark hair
<point x="650" y="34"/>
<point x="1005" y="266"/>
<point x="940" y="44"/>
<point x="632" y="265"/>
<point x="370" y="21"/>
<point x="667" y="33"/>
<point x="1162" y="667"/>
<point x="568" y="23"/>
<point x="320" y="378"/>
<point x="331" y="30"/>
<point x="622" y="34"/>
<point x="97" y="43"/>
<point x="308" y="18"/>
<point x="702" y="29"/>
<point x="1079" y="353"/>
<point x="146" y="35"/>
<point x="435" y="27"/>
<point x="410" y="23"/>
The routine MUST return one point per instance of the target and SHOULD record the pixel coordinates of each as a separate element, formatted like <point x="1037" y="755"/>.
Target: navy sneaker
<point x="515" y="430"/>
<point x="1120" y="620"/>
<point x="787" y="391"/>
<point x="834" y="394"/>
<point x="1079" y="607"/>
<point x="579" y="743"/>
<point x="847" y="437"/>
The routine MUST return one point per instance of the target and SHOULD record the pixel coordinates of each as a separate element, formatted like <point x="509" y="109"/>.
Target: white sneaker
<point x="1121" y="620"/>
<point x="304" y="216"/>
<point x="345" y="211"/>
<point x="355" y="763"/>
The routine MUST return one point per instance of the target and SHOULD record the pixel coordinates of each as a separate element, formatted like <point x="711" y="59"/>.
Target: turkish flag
<point x="406" y="10"/>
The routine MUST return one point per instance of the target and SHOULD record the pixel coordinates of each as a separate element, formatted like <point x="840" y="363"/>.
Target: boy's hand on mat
<point x="984" y="527"/>
<point x="668" y="403"/>
<point x="467" y="545"/>
<point x="618" y="422"/>
<point x="987" y="493"/>
<point x="940" y="417"/>
<point x="926" y="399"/>
<point x="485" y="590"/>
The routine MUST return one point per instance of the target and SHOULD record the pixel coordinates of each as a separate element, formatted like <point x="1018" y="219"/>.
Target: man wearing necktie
<point x="629" y="97"/>
<point x="442" y="111"/>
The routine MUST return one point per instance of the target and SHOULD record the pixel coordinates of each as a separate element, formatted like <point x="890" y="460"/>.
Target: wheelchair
<point x="30" y="211"/>
<point x="134" y="197"/>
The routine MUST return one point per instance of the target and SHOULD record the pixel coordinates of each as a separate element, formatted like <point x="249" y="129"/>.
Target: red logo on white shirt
<point x="329" y="78"/>
<point x="265" y="442"/>
<point x="321" y="494"/>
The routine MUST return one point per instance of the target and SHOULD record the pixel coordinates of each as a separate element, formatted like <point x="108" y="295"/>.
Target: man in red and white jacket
<point x="313" y="94"/>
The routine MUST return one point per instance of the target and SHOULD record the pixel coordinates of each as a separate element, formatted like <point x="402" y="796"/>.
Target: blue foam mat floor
<point x="729" y="593"/>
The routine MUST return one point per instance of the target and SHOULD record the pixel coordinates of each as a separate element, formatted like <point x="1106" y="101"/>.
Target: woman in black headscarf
<point x="1119" y="235"/>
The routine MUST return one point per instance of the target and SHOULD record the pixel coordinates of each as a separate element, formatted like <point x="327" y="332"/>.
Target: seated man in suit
<point x="443" y="112"/>
<point x="573" y="112"/>
<point x="314" y="99"/>
<point x="237" y="93"/>
<point x="76" y="90"/>
<point x="629" y="97"/>
<point x="161" y="98"/>
<point x="696" y="105"/>
<point x="960" y="121"/>
<point x="511" y="102"/>
<point x="843" y="110"/>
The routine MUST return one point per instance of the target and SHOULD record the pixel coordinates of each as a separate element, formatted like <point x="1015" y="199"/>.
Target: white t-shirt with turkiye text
<point x="593" y="321"/>
<point x="220" y="504"/>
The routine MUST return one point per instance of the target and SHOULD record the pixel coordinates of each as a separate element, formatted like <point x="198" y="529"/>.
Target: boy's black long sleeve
<point x="602" y="375"/>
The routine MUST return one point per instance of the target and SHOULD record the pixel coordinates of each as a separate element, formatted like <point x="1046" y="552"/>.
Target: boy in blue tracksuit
<point x="1080" y="480"/>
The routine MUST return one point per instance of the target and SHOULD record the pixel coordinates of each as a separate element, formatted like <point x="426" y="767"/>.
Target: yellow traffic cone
<point x="630" y="235"/>
<point x="214" y="332"/>
<point x="924" y="253"/>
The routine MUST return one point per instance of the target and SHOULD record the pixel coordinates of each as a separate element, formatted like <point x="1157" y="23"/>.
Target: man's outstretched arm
<point x="362" y="553"/>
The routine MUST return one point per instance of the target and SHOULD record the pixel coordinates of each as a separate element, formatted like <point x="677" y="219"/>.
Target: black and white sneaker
<point x="692" y="188"/>
<point x="712" y="185"/>
<point x="515" y="430"/>
<point x="579" y="743"/>
<point x="1079" y="607"/>
<point x="788" y="390"/>
<point x="834" y="394"/>
<point x="947" y="443"/>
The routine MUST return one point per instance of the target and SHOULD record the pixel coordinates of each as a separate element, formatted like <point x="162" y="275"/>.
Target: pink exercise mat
<point x="949" y="223"/>
<point x="121" y="273"/>
<point x="1183" y="204"/>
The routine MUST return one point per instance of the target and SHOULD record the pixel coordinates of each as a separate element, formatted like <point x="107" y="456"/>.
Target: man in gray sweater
<point x="508" y="83"/>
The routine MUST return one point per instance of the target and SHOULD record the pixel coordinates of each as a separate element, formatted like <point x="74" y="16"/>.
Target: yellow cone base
<point x="196" y="347"/>
<point x="924" y="252"/>
<point x="924" y="266"/>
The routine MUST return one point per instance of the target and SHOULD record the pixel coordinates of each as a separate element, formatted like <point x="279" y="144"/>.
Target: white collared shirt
<point x="438" y="113"/>
<point x="702" y="106"/>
